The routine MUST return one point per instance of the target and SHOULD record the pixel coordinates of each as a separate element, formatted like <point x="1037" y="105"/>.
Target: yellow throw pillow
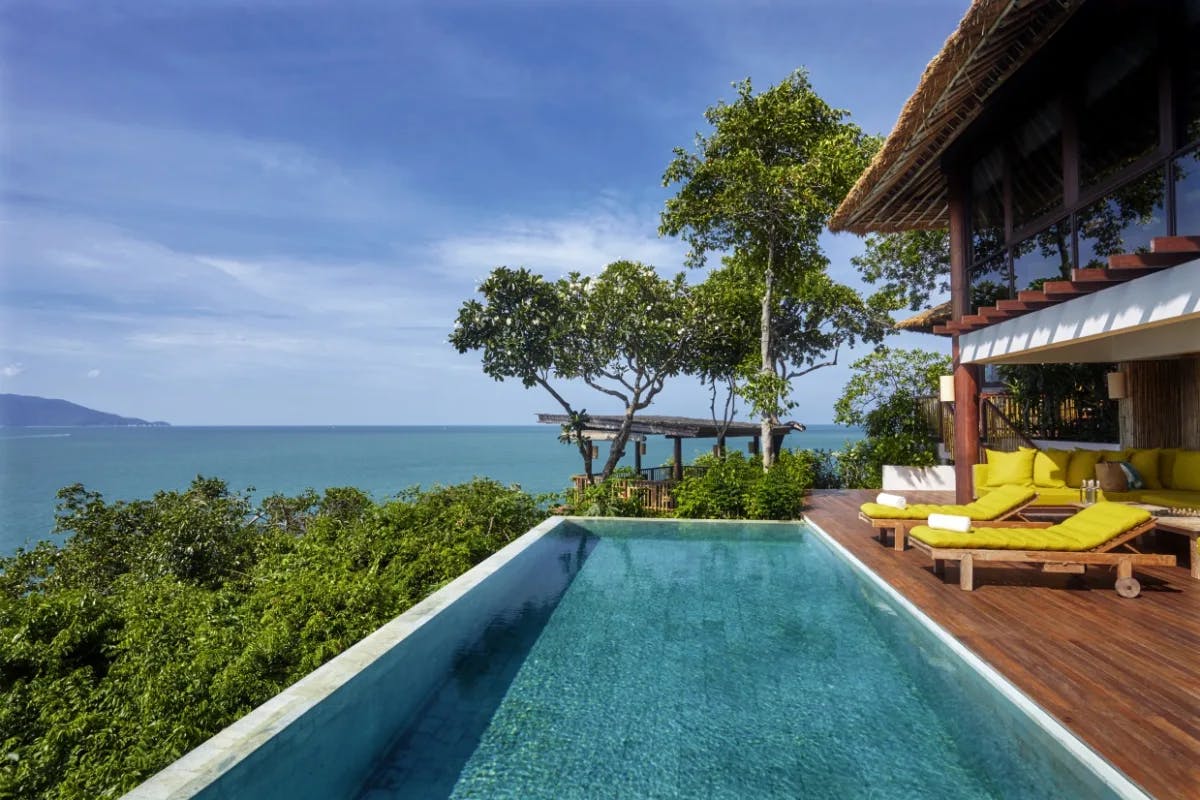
<point x="1186" y="474"/>
<point x="1050" y="468"/>
<point x="1146" y="464"/>
<point x="1166" y="467"/>
<point x="1006" y="469"/>
<point x="1082" y="467"/>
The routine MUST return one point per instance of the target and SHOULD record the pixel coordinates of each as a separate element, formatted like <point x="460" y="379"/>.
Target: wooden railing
<point x="653" y="487"/>
<point x="997" y="430"/>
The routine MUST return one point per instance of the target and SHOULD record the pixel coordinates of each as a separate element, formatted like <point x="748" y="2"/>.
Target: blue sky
<point x="268" y="212"/>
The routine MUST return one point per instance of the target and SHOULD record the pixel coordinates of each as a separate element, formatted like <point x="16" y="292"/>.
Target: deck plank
<point x="1123" y="675"/>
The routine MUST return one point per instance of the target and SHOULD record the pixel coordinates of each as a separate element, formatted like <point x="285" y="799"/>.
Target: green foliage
<point x="911" y="266"/>
<point x="609" y="498"/>
<point x="736" y="487"/>
<point x="159" y="622"/>
<point x="761" y="186"/>
<point x="1063" y="401"/>
<point x="622" y="333"/>
<point x="881" y="396"/>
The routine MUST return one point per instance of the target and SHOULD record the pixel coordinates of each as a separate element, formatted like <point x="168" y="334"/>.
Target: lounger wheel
<point x="1128" y="587"/>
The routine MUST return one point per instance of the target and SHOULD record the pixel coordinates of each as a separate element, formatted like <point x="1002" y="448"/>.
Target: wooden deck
<point x="1124" y="675"/>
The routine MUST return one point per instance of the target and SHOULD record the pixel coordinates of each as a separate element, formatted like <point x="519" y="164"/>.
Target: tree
<point x="762" y="185"/>
<point x="630" y="335"/>
<point x="912" y="265"/>
<point x="521" y="327"/>
<point x="623" y="333"/>
<point x="881" y="396"/>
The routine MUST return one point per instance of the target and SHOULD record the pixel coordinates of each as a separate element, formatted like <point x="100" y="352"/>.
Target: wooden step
<point x="942" y="330"/>
<point x="993" y="314"/>
<point x="1175" y="244"/>
<point x="1151" y="260"/>
<point x="1034" y="296"/>
<point x="1022" y="306"/>
<point x="1053" y="289"/>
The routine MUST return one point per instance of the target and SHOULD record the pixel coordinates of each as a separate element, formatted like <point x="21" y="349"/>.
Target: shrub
<point x="161" y="621"/>
<point x="609" y="498"/>
<point x="737" y="488"/>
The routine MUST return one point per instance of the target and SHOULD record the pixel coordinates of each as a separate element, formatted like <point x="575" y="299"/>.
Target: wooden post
<point x="637" y="458"/>
<point x="678" y="471"/>
<point x="966" y="376"/>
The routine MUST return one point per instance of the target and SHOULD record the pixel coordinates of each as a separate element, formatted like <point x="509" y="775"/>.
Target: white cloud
<point x="93" y="373"/>
<point x="586" y="242"/>
<point x="12" y="370"/>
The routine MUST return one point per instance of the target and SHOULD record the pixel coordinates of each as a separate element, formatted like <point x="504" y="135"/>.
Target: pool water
<point x="718" y="661"/>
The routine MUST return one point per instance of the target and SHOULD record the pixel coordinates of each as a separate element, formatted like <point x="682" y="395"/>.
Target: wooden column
<point x="678" y="471"/>
<point x="637" y="457"/>
<point x="966" y="376"/>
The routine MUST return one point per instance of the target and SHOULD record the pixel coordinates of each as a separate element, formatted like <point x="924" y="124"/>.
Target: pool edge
<point x="1115" y="779"/>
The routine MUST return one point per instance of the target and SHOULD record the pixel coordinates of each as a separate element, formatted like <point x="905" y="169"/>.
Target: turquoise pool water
<point x="675" y="660"/>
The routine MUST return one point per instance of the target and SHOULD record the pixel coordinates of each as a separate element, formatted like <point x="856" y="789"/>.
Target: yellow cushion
<point x="1166" y="466"/>
<point x="1010" y="468"/>
<point x="1050" y="468"/>
<point x="1082" y="467"/>
<point x="1186" y="471"/>
<point x="1114" y="455"/>
<point x="1146" y="464"/>
<point x="1089" y="529"/>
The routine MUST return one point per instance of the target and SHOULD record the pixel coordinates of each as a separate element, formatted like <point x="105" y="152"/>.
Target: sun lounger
<point x="1091" y="536"/>
<point x="1004" y="503"/>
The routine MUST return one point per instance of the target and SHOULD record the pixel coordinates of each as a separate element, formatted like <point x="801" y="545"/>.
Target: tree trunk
<point x="768" y="355"/>
<point x="585" y="450"/>
<point x="617" y="451"/>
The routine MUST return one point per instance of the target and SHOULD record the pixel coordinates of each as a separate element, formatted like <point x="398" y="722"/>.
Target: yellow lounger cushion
<point x="1086" y="530"/>
<point x="993" y="505"/>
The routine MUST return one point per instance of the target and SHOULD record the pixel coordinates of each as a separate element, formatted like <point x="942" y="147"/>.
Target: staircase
<point x="1165" y="252"/>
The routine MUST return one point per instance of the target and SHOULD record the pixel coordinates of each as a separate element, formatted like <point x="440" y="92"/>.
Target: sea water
<point x="133" y="463"/>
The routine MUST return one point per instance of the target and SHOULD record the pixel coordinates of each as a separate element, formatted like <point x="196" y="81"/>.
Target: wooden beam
<point x="1021" y="305"/>
<point x="1175" y="244"/>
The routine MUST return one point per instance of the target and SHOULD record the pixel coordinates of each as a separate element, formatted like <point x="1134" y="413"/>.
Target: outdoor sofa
<point x="1171" y="475"/>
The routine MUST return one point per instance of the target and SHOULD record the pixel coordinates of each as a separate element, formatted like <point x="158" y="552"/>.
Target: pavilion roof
<point x="683" y="427"/>
<point x="923" y="321"/>
<point x="904" y="187"/>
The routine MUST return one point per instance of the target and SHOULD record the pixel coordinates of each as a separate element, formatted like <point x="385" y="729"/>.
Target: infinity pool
<point x="654" y="659"/>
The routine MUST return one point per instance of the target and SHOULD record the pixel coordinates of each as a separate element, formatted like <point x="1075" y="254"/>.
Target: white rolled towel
<point x="950" y="522"/>
<point x="893" y="500"/>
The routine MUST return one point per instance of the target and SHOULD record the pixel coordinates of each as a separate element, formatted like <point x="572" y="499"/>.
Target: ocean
<point x="134" y="463"/>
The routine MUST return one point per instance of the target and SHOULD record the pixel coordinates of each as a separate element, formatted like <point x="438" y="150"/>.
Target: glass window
<point x="990" y="282"/>
<point x="1188" y="85"/>
<point x="1037" y="186"/>
<point x="1119" y="121"/>
<point x="1124" y="222"/>
<point x="987" y="205"/>
<point x="1187" y="194"/>
<point x="1045" y="256"/>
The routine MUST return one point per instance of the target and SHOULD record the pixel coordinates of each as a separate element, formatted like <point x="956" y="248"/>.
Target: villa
<point x="1059" y="143"/>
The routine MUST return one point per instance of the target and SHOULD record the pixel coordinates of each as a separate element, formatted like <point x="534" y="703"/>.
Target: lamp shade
<point x="1116" y="386"/>
<point x="946" y="388"/>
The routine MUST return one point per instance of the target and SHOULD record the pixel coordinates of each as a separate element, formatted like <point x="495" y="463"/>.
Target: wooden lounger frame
<point x="900" y="527"/>
<point x="1054" y="560"/>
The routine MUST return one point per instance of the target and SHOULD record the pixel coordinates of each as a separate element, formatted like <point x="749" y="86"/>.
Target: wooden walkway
<point x="1124" y="675"/>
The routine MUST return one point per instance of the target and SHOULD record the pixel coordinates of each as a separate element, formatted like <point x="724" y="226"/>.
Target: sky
<point x="230" y="212"/>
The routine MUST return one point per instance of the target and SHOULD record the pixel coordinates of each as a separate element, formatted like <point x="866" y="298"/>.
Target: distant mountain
<point x="23" y="411"/>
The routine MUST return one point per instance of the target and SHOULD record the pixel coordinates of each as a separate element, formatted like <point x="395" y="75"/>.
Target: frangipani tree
<point x="622" y="333"/>
<point x="761" y="186"/>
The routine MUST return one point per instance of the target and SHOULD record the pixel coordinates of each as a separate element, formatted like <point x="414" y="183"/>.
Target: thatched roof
<point x="924" y="321"/>
<point x="904" y="188"/>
